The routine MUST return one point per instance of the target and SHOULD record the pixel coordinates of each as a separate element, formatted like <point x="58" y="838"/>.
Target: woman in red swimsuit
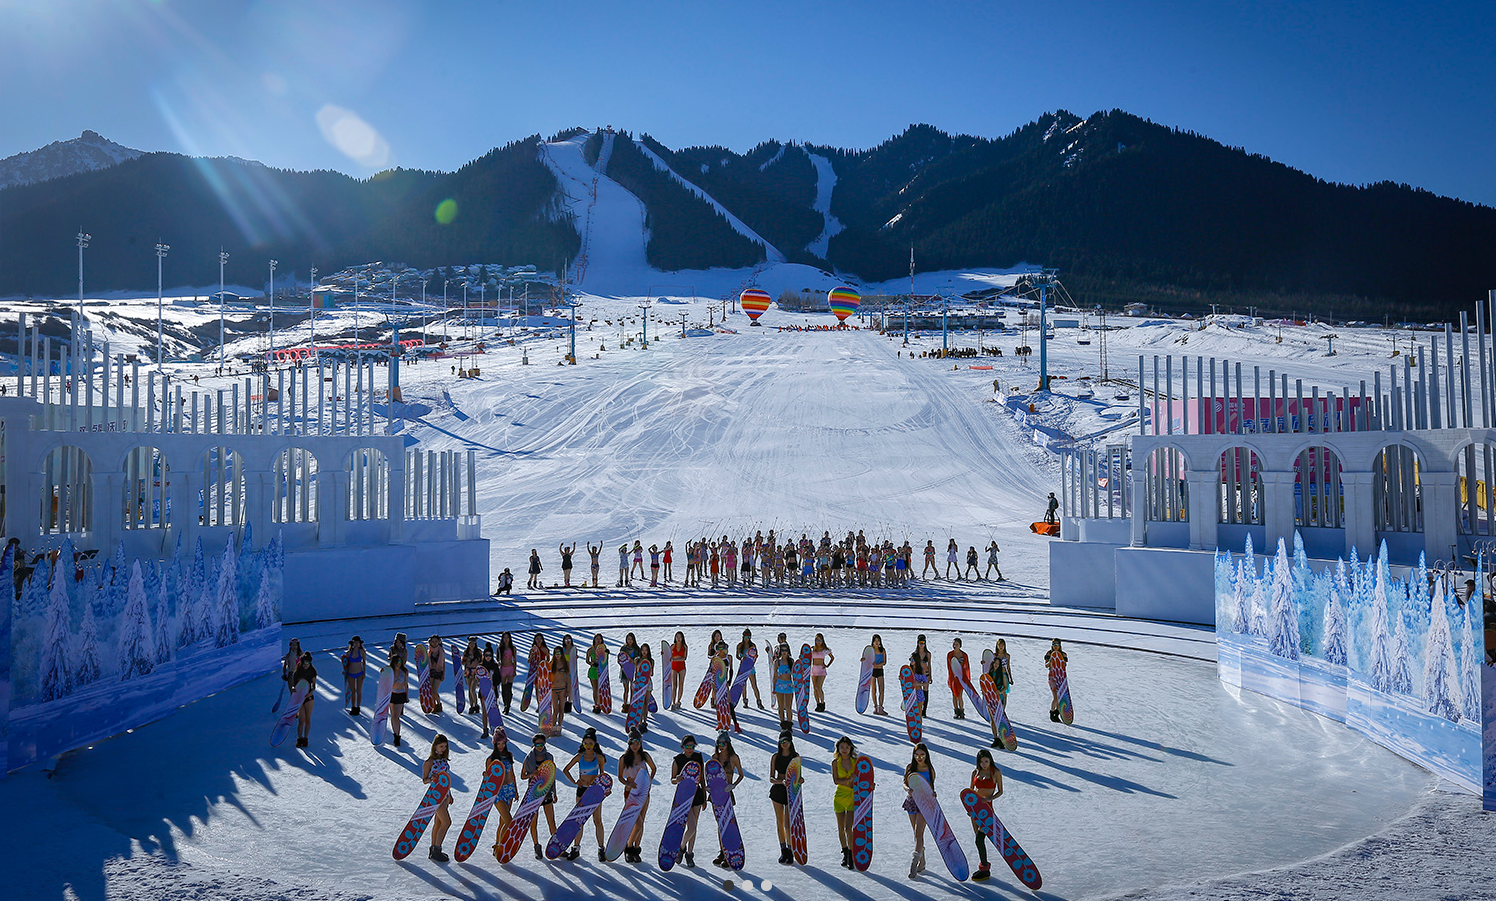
<point x="678" y="668"/>
<point x="987" y="782"/>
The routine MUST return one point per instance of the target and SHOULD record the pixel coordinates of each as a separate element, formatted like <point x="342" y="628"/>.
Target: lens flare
<point x="446" y="211"/>
<point x="355" y="138"/>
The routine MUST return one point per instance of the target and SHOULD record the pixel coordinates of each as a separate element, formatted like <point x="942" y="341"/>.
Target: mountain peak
<point x="85" y="153"/>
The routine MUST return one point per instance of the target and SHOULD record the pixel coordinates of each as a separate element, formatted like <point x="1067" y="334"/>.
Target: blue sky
<point x="1350" y="92"/>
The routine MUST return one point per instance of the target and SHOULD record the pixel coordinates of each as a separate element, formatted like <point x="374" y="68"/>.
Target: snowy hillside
<point x="85" y="153"/>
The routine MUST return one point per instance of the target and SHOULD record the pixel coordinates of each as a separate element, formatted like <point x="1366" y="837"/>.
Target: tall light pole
<point x="161" y="250"/>
<point x="464" y="310"/>
<point x="355" y="313"/>
<point x="573" y="355"/>
<point x="272" y="310"/>
<point x="83" y="240"/>
<point x="223" y="259"/>
<point x="644" y="309"/>
<point x="311" y="302"/>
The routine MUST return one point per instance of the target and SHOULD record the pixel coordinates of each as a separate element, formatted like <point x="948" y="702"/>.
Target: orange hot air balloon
<point x="844" y="302"/>
<point x="754" y="302"/>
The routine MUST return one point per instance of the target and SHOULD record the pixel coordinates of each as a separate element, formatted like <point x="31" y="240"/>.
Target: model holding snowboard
<point x="844" y="774"/>
<point x="779" y="770"/>
<point x="533" y="760"/>
<point x="590" y="763"/>
<point x="880" y="657"/>
<point x="1055" y="659"/>
<point x="784" y="685"/>
<point x="441" y="821"/>
<point x="633" y="762"/>
<point x="987" y="782"/>
<point x="732" y="768"/>
<point x="560" y="688"/>
<point x="820" y="658"/>
<point x="957" y="666"/>
<point x="744" y="648"/>
<point x="399" y="695"/>
<point x="305" y="672"/>
<point x="689" y="754"/>
<point x="919" y="763"/>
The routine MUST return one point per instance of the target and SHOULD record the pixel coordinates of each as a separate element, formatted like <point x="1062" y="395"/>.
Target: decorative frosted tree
<point x="1334" y="650"/>
<point x="1441" y="684"/>
<point x="1470" y="660"/>
<point x="163" y="640"/>
<point x="137" y="641"/>
<point x="1283" y="617"/>
<point x="227" y="613"/>
<point x="1304" y="595"/>
<point x="1379" y="665"/>
<point x="1402" y="668"/>
<point x="54" y="676"/>
<point x="89" y="668"/>
<point x="264" y="602"/>
<point x="207" y="606"/>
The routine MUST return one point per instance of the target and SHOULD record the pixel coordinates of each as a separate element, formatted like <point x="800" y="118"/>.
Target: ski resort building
<point x="125" y="456"/>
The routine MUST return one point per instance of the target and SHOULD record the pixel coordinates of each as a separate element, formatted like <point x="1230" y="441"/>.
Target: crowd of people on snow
<point x="763" y="560"/>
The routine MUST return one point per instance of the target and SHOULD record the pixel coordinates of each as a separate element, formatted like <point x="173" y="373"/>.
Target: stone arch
<point x="1240" y="490"/>
<point x="1397" y="497"/>
<point x="221" y="500"/>
<point x="368" y="484"/>
<point x="1166" y="494"/>
<point x="1319" y="496"/>
<point x="1476" y="465"/>
<point x="67" y="491"/>
<point x="294" y="491"/>
<point x="146" y="496"/>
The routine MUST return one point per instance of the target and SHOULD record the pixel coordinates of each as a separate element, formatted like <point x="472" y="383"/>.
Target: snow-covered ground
<point x="1166" y="778"/>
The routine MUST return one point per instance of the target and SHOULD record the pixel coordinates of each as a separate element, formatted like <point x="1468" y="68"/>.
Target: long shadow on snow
<point x="494" y="451"/>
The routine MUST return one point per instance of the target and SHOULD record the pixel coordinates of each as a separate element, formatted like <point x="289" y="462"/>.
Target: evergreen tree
<point x="1334" y="641"/>
<point x="118" y="585"/>
<point x="1470" y="661"/>
<point x="1246" y="577"/>
<point x="1259" y="598"/>
<point x="163" y="640"/>
<point x="1441" y="684"/>
<point x="207" y="606"/>
<point x="1402" y="670"/>
<point x="137" y="643"/>
<point x="227" y="616"/>
<point x="55" y="676"/>
<point x="1309" y="615"/>
<point x="1283" y="617"/>
<point x="89" y="667"/>
<point x="1379" y="666"/>
<point x="264" y="602"/>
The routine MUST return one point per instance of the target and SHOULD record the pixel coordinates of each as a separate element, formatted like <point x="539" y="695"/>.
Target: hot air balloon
<point x="844" y="302"/>
<point x="754" y="301"/>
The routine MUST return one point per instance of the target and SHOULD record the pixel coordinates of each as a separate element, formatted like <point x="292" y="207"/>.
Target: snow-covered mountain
<point x="85" y="153"/>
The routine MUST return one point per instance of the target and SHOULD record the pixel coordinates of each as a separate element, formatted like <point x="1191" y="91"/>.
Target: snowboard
<point x="570" y="827"/>
<point x="382" y="697"/>
<point x="862" y="814"/>
<point x="981" y="813"/>
<point x="604" y="689"/>
<point x="576" y="684"/>
<point x="794" y="786"/>
<point x="639" y="708"/>
<point x="675" y="827"/>
<point x="436" y="792"/>
<point x="626" y="670"/>
<point x="287" y="721"/>
<point x="533" y="665"/>
<point x="704" y="690"/>
<point x="912" y="715"/>
<point x="963" y="678"/>
<point x="1067" y="709"/>
<point x="459" y="687"/>
<point x="865" y="679"/>
<point x="545" y="706"/>
<point x="999" y="716"/>
<point x="541" y="783"/>
<point x="667" y="681"/>
<point x="618" y="839"/>
<point x="727" y="818"/>
<point x="490" y="699"/>
<point x="722" y="675"/>
<point x="745" y="670"/>
<point x="494" y="773"/>
<point x="945" y="839"/>
<point x="801" y="674"/>
<point x="423" y="671"/>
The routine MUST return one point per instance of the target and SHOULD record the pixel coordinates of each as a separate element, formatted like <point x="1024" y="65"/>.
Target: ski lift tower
<point x="571" y="357"/>
<point x="644" y="307"/>
<point x="1043" y="280"/>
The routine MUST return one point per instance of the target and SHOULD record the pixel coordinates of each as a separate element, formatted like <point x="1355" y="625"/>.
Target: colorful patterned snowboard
<point x="704" y="690"/>
<point x="722" y="675"/>
<point x="576" y="684"/>
<point x="675" y="827"/>
<point x="490" y="700"/>
<point x="1067" y="709"/>
<point x="604" y="689"/>
<point x="795" y="785"/>
<point x="964" y="679"/>
<point x="639" y="707"/>
<point x="981" y="813"/>
<point x="999" y="716"/>
<point x="618" y="839"/>
<point x="494" y="773"/>
<point x="865" y="679"/>
<point x="862" y="814"/>
<point x="541" y="783"/>
<point x="727" y="818"/>
<point x="929" y="808"/>
<point x="382" y="696"/>
<point x="667" y="677"/>
<point x="545" y="707"/>
<point x="533" y="665"/>
<point x="423" y="672"/>
<point x="745" y="670"/>
<point x="801" y="674"/>
<point x="570" y="827"/>
<point x="459" y="679"/>
<point x="912" y="715"/>
<point x="287" y="720"/>
<point x="436" y="792"/>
